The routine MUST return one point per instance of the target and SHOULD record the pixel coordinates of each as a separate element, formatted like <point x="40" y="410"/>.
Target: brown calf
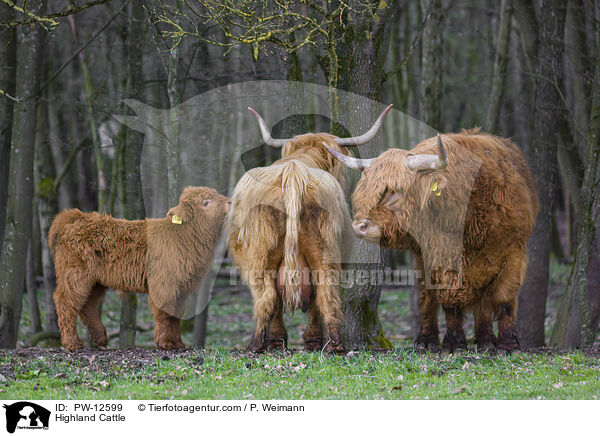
<point x="165" y="258"/>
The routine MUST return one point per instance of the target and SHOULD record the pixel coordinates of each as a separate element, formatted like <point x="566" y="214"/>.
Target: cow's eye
<point x="206" y="203"/>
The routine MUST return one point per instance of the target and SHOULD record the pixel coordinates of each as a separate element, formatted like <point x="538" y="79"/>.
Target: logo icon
<point x="26" y="415"/>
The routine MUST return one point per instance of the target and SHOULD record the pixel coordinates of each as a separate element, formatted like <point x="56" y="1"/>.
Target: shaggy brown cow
<point x="477" y="190"/>
<point x="165" y="258"/>
<point x="285" y="233"/>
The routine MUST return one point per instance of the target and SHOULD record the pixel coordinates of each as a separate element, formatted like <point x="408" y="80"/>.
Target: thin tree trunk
<point x="173" y="158"/>
<point x="46" y="198"/>
<point x="499" y="76"/>
<point x="47" y="208"/>
<point x="432" y="64"/>
<point x="134" y="206"/>
<point x="8" y="52"/>
<point x="20" y="186"/>
<point x="87" y="82"/>
<point x="577" y="289"/>
<point x="542" y="159"/>
<point x="31" y="288"/>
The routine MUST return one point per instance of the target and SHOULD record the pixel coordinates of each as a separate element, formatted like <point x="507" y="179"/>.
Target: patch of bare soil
<point x="91" y="360"/>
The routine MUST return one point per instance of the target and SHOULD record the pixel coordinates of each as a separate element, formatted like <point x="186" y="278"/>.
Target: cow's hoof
<point x="102" y="342"/>
<point x="454" y="343"/>
<point x="276" y="344"/>
<point x="313" y="344"/>
<point x="256" y="347"/>
<point x="454" y="348"/>
<point x="425" y="343"/>
<point x="487" y="347"/>
<point x="333" y="347"/>
<point x="171" y="345"/>
<point x="73" y="345"/>
<point x="508" y="341"/>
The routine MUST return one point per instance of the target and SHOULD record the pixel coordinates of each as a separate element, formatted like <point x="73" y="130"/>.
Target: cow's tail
<point x="62" y="219"/>
<point x="294" y="182"/>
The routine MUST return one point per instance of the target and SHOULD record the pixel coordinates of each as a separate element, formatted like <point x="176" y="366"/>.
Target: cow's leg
<point x="326" y="275"/>
<point x="313" y="336"/>
<point x="90" y="316"/>
<point x="508" y="339"/>
<point x="428" y="338"/>
<point x="504" y="292"/>
<point x="277" y="336"/>
<point x="167" y="334"/>
<point x="484" y="334"/>
<point x="455" y="338"/>
<point x="264" y="295"/>
<point x="327" y="297"/>
<point x="69" y="298"/>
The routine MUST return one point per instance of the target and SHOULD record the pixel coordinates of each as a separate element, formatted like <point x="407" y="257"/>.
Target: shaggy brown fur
<point x="93" y="252"/>
<point x="285" y="233"/>
<point x="421" y="211"/>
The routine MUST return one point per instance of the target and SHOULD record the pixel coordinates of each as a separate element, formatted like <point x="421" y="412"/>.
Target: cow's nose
<point x="361" y="227"/>
<point x="366" y="229"/>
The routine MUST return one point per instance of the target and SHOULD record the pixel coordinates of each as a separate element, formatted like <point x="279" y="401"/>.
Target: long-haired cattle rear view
<point x="415" y="199"/>
<point x="166" y="258"/>
<point x="285" y="232"/>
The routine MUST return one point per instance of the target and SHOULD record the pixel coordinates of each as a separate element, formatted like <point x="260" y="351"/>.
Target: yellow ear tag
<point x="176" y="220"/>
<point x="435" y="190"/>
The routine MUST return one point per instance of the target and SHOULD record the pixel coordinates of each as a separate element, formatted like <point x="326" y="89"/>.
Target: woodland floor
<point x="224" y="371"/>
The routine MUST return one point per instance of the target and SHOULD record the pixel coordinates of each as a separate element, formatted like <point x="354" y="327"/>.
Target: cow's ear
<point x="393" y="199"/>
<point x="431" y="186"/>
<point x="182" y="213"/>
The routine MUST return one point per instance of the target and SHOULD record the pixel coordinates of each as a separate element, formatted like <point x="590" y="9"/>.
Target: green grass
<point x="220" y="373"/>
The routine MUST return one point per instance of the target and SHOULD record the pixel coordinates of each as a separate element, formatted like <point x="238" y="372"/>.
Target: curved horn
<point x="365" y="137"/>
<point x="421" y="162"/>
<point x="350" y="162"/>
<point x="266" y="134"/>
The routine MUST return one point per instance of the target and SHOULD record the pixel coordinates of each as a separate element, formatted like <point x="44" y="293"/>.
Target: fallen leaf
<point x="558" y="385"/>
<point x="460" y="389"/>
<point x="60" y="375"/>
<point x="396" y="388"/>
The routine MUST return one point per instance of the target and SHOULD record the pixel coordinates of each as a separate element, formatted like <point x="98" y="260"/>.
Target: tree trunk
<point x="432" y="64"/>
<point x="577" y="290"/>
<point x="20" y="186"/>
<point x="366" y="35"/>
<point x="499" y="76"/>
<point x="8" y="51"/>
<point x="134" y="206"/>
<point x="541" y="155"/>
<point x="47" y="208"/>
<point x="30" y="287"/>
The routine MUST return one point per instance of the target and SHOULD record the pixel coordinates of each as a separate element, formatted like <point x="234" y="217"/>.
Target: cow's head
<point x="310" y="145"/>
<point x="394" y="190"/>
<point x="201" y="205"/>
